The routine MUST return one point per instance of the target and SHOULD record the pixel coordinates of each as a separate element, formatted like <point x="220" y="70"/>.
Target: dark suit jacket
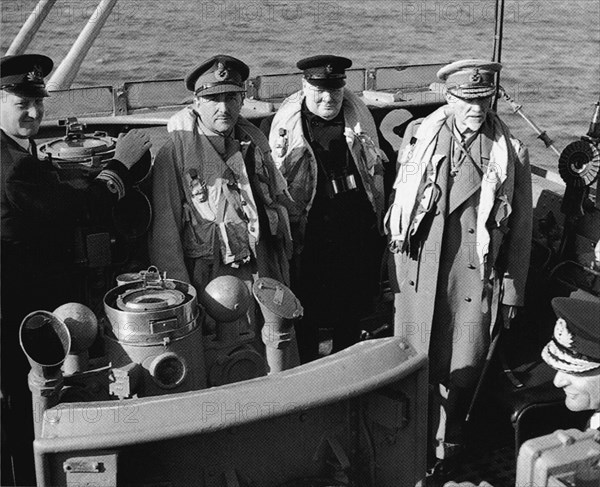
<point x="36" y="205"/>
<point x="39" y="218"/>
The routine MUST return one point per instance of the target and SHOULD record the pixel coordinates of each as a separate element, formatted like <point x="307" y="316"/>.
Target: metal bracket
<point x="371" y="79"/>
<point x="74" y="129"/>
<point x="331" y="451"/>
<point x="98" y="470"/>
<point x="252" y="88"/>
<point x="120" y="101"/>
<point x="153" y="278"/>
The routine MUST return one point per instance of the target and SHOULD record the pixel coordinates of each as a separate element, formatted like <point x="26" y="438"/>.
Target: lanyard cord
<point x="464" y="148"/>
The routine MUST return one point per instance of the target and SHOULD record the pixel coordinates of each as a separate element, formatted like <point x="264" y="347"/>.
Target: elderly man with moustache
<point x="460" y="232"/>
<point x="324" y="141"/>
<point x="40" y="216"/>
<point x="216" y="189"/>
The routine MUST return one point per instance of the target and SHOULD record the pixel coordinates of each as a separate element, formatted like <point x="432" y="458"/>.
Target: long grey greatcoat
<point x="442" y="306"/>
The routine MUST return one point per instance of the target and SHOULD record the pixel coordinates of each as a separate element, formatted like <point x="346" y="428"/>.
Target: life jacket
<point x="295" y="159"/>
<point x="221" y="196"/>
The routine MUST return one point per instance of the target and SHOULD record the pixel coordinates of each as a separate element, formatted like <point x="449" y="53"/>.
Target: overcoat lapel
<point x="442" y="154"/>
<point x="469" y="178"/>
<point x="465" y="183"/>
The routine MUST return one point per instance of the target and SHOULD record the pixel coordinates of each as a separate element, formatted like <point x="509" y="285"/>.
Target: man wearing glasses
<point x="324" y="141"/>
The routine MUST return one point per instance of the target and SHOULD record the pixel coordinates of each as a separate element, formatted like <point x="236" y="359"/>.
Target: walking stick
<point x="486" y="366"/>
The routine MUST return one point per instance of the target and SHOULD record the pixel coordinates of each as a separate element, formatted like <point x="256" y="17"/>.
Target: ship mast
<point x="30" y="28"/>
<point x="498" y="32"/>
<point x="66" y="72"/>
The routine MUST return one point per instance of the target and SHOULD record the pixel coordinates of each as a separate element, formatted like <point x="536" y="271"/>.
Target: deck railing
<point x="161" y="95"/>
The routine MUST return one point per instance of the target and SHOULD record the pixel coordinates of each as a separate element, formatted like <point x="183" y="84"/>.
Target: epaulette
<point x="415" y="123"/>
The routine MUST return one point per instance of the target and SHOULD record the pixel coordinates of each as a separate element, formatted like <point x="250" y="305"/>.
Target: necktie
<point x="33" y="148"/>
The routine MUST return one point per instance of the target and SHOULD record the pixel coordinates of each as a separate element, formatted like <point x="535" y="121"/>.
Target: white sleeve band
<point x="113" y="182"/>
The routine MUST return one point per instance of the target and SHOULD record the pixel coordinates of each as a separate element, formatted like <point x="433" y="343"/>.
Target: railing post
<point x="66" y="72"/>
<point x="252" y="87"/>
<point x="120" y="101"/>
<point x="371" y="79"/>
<point x="30" y="27"/>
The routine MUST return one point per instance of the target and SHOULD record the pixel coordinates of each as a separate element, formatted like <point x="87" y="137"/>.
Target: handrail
<point x="66" y="72"/>
<point x="30" y="27"/>
<point x="410" y="82"/>
<point x="518" y="109"/>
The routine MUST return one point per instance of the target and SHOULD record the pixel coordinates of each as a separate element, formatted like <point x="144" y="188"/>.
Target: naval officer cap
<point x="325" y="71"/>
<point x="470" y="78"/>
<point x="575" y="344"/>
<point x="24" y="74"/>
<point x="219" y="74"/>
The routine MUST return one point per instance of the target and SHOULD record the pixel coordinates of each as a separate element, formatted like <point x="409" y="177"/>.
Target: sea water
<point x="550" y="49"/>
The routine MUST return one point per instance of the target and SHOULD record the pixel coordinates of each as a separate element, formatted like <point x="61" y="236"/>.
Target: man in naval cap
<point x="216" y="188"/>
<point x="39" y="216"/>
<point x="460" y="233"/>
<point x="324" y="141"/>
<point x="574" y="352"/>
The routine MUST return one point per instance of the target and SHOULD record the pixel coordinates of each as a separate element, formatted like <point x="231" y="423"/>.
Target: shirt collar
<point x="24" y="143"/>
<point x="218" y="141"/>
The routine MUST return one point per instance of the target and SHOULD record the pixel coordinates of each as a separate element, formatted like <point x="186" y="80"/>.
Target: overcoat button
<point x="471" y="230"/>
<point x="411" y="283"/>
<point x="471" y="266"/>
<point x="468" y="299"/>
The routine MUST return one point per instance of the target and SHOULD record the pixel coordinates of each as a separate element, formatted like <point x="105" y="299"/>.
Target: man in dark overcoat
<point x="460" y="229"/>
<point x="325" y="143"/>
<point x="39" y="215"/>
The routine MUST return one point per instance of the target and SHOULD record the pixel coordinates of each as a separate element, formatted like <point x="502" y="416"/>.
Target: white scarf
<point x="414" y="162"/>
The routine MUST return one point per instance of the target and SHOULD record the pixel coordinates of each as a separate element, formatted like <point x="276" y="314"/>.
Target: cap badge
<point x="329" y="69"/>
<point x="475" y="77"/>
<point x="36" y="75"/>
<point x="221" y="73"/>
<point x="562" y="334"/>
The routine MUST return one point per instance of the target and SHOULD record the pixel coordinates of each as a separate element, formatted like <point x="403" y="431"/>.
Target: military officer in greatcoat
<point x="325" y="143"/>
<point x="39" y="216"/>
<point x="460" y="232"/>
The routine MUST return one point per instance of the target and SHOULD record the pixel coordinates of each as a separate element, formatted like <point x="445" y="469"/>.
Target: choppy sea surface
<point x="550" y="50"/>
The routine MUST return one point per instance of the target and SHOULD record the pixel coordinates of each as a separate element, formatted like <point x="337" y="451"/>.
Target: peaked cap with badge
<point x="575" y="345"/>
<point x="24" y="74"/>
<point x="470" y="78"/>
<point x="219" y="74"/>
<point x="325" y="71"/>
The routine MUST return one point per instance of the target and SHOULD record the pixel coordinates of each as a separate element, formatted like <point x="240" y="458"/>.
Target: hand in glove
<point x="131" y="147"/>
